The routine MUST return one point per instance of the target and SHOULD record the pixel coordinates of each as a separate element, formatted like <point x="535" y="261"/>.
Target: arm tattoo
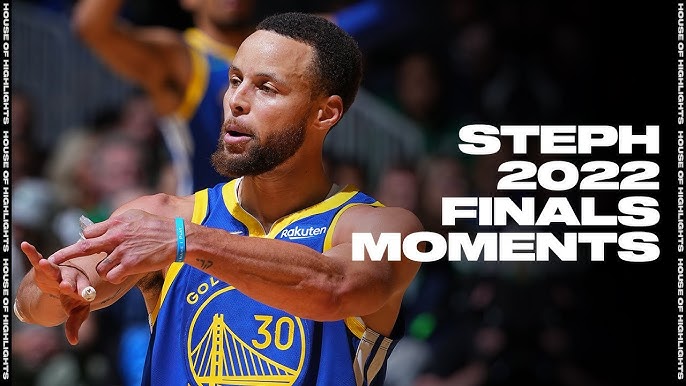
<point x="204" y="264"/>
<point x="111" y="297"/>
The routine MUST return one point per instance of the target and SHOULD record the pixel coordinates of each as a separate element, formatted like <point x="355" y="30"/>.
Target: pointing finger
<point x="96" y="229"/>
<point x="80" y="248"/>
<point x="38" y="262"/>
<point x="31" y="252"/>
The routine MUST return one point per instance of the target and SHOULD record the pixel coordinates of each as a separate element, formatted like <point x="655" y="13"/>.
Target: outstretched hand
<point x="135" y="242"/>
<point x="64" y="282"/>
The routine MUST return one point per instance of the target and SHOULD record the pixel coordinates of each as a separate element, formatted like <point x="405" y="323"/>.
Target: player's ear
<point x="330" y="112"/>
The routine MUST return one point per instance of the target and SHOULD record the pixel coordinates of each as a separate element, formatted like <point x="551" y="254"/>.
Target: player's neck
<point x="278" y="193"/>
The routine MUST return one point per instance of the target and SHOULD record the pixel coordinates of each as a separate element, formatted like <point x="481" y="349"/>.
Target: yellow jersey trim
<point x="203" y="43"/>
<point x="332" y="202"/>
<point x="200" y="72"/>
<point x="200" y="206"/>
<point x="173" y="270"/>
<point x="355" y="325"/>
<point x="199" y="212"/>
<point x="230" y="195"/>
<point x="328" y="239"/>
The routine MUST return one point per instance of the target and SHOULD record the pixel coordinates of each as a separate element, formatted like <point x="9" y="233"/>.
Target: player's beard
<point x="261" y="154"/>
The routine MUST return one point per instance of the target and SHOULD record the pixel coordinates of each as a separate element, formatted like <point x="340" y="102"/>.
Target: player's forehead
<point x="268" y="51"/>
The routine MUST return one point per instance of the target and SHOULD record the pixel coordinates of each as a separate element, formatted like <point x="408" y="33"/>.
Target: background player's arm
<point x="155" y="58"/>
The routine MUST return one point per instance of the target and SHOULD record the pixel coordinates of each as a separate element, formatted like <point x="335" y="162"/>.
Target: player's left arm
<point x="304" y="282"/>
<point x="373" y="290"/>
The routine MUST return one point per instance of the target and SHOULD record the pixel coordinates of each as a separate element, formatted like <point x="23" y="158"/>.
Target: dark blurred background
<point x="431" y="67"/>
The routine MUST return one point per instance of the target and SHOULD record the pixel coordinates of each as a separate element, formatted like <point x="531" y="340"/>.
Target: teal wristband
<point x="180" y="240"/>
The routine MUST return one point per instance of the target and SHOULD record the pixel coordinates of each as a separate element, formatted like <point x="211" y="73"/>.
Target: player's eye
<point x="234" y="81"/>
<point x="266" y="88"/>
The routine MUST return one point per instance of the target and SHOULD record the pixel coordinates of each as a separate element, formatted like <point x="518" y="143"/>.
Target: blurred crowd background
<point x="84" y="141"/>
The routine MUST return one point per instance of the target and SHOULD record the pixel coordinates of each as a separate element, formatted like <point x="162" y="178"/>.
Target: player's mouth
<point x="235" y="134"/>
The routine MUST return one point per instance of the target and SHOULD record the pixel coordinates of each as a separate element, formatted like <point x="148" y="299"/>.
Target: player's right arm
<point x="50" y="294"/>
<point x="155" y="58"/>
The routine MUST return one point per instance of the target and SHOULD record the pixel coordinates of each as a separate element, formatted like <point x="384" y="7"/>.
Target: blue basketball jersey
<point x="193" y="132"/>
<point x="206" y="332"/>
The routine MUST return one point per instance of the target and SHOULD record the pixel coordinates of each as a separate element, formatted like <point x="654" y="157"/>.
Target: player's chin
<point x="237" y="147"/>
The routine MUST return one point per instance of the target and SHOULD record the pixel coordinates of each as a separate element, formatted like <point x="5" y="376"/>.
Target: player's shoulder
<point x="368" y="218"/>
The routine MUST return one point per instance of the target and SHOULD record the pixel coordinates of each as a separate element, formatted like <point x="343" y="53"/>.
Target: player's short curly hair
<point x="337" y="63"/>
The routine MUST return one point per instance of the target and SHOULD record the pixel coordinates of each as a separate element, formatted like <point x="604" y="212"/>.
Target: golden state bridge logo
<point x="230" y="342"/>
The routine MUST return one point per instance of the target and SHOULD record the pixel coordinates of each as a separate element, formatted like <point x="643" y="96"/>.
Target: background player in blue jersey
<point x="185" y="74"/>
<point x="288" y="303"/>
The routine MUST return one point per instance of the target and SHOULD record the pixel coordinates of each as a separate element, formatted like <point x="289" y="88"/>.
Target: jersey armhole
<point x="328" y="239"/>
<point x="200" y="206"/>
<point x="354" y="323"/>
<point x="199" y="212"/>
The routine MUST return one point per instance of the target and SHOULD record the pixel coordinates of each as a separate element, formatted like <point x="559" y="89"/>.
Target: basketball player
<point x="266" y="291"/>
<point x="185" y="74"/>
